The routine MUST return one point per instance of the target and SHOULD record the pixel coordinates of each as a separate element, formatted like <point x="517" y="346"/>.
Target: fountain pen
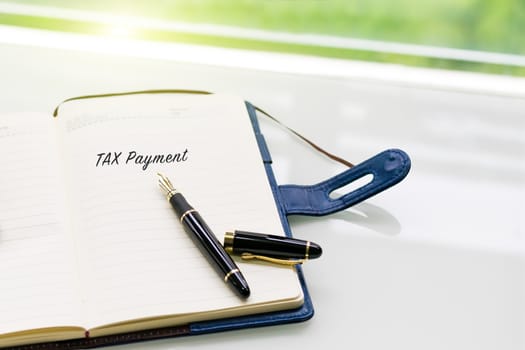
<point x="204" y="238"/>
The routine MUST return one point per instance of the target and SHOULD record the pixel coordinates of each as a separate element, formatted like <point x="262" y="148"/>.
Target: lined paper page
<point x="38" y="284"/>
<point x="139" y="260"/>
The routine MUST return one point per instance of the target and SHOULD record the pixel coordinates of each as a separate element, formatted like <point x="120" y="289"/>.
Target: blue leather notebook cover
<point x="388" y="168"/>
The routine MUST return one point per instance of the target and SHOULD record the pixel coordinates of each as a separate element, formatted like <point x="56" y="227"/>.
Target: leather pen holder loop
<point x="387" y="168"/>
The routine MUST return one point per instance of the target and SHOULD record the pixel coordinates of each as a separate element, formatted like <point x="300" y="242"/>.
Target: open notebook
<point x="89" y="246"/>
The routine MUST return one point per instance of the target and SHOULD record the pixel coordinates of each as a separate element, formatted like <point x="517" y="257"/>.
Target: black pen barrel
<point x="208" y="243"/>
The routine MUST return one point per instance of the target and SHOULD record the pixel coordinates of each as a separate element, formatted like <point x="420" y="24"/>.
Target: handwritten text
<point x="132" y="157"/>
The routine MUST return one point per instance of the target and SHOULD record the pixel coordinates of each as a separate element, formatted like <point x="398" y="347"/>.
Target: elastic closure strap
<point x="387" y="169"/>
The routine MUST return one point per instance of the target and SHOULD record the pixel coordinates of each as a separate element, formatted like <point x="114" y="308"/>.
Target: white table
<point x="437" y="262"/>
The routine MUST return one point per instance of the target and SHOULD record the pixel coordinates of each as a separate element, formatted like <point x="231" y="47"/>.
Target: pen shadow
<point x="363" y="214"/>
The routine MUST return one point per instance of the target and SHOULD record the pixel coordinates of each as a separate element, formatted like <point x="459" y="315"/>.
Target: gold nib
<point x="166" y="186"/>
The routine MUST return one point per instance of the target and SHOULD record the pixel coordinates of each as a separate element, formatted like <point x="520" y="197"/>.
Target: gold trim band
<point x="228" y="242"/>
<point x="306" y="254"/>
<point x="229" y="274"/>
<point x="186" y="213"/>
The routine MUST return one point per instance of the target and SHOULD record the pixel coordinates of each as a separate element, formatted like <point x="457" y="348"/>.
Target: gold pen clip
<point x="287" y="262"/>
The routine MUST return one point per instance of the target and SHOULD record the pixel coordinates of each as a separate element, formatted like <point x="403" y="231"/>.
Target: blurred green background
<point x="484" y="25"/>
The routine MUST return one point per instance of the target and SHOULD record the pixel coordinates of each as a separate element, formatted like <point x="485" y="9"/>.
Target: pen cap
<point x="239" y="242"/>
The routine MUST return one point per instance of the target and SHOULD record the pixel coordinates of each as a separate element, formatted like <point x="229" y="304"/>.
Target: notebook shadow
<point x="366" y="215"/>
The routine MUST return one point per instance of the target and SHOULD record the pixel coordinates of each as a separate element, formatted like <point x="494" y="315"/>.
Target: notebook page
<point x="38" y="283"/>
<point x="138" y="259"/>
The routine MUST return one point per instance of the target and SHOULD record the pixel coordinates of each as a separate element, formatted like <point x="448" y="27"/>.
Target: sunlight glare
<point x="120" y="29"/>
